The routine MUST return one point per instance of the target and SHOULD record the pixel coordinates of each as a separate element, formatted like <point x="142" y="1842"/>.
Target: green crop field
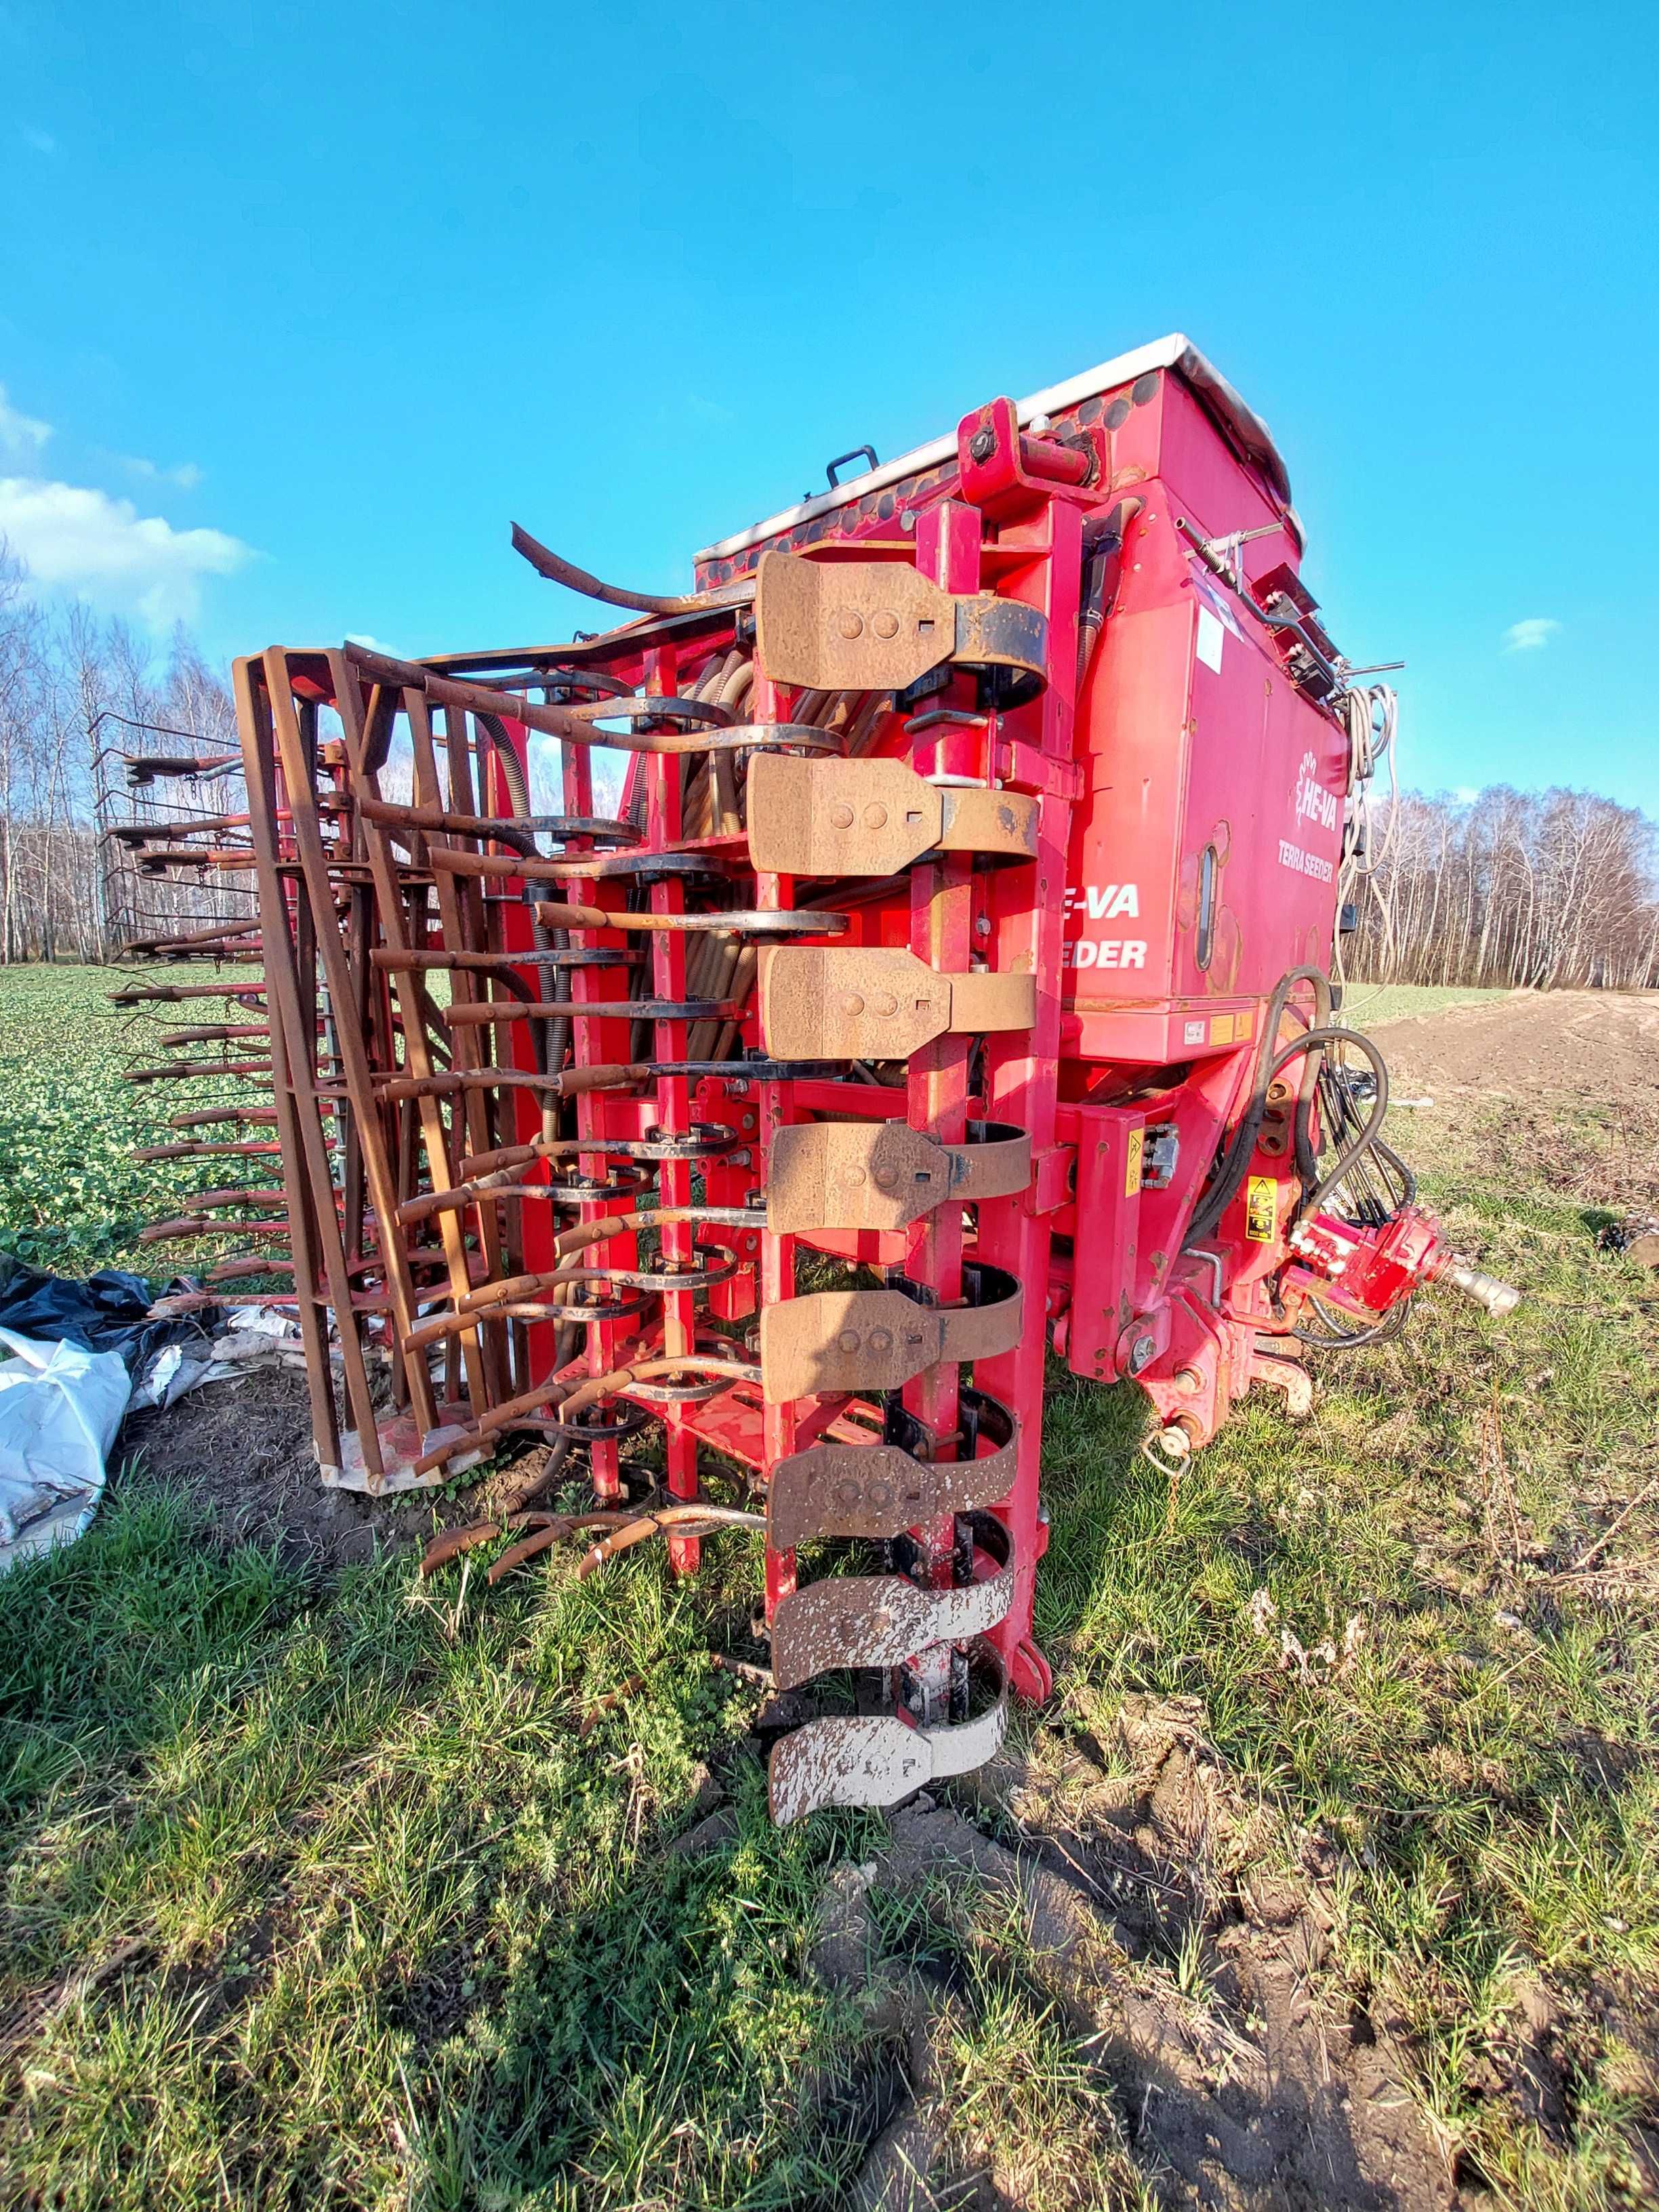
<point x="71" y="1198"/>
<point x="1369" y="1005"/>
<point x="345" y="1890"/>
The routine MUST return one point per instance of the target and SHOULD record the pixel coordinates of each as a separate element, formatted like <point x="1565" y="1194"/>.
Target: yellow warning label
<point x="1221" y="1029"/>
<point x="1262" y="1210"/>
<point x="1132" y="1172"/>
<point x="1243" y="1025"/>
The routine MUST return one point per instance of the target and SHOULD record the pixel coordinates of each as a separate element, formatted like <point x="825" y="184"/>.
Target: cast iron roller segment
<point x="875" y="1002"/>
<point x="882" y="626"/>
<point x="857" y="1341"/>
<point x="880" y="1759"/>
<point x="886" y="1175"/>
<point x="881" y="1490"/>
<point x="883" y="1620"/>
<point x="873" y="817"/>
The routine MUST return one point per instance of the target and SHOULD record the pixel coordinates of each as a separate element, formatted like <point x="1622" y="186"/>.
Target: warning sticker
<point x="1131" y="1173"/>
<point x="1262" y="1210"/>
<point x="1210" y="639"/>
<point x="1221" y="1029"/>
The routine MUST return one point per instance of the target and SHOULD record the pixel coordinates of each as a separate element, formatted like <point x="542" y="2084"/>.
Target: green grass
<point x="406" y="1935"/>
<point x="1474" y="1733"/>
<point x="316" y="1894"/>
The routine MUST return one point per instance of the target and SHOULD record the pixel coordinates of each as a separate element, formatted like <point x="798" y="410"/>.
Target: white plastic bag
<point x="60" y="1406"/>
<point x="259" y="1336"/>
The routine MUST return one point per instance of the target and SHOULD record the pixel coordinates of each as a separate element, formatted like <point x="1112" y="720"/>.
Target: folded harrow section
<point x="715" y="1106"/>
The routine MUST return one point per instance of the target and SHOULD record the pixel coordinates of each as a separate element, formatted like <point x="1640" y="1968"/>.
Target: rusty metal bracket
<point x="881" y="1490"/>
<point x="881" y="625"/>
<point x="877" y="1339"/>
<point x="882" y="1620"/>
<point x="875" y="1002"/>
<point x="871" y="818"/>
<point x="884" y="1175"/>
<point x="879" y="1759"/>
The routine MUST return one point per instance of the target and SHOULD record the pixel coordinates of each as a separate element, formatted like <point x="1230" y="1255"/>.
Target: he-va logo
<point x="1313" y="802"/>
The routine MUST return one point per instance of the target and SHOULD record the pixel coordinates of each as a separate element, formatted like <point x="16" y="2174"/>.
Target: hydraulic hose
<point x="1315" y="1041"/>
<point x="1209" y="1213"/>
<point x="1103" y="568"/>
<point x="507" y="759"/>
<point x="1312" y="1045"/>
<point x="1357" y="1339"/>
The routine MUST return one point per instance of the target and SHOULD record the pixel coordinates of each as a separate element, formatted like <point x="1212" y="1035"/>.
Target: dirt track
<point x="1590" y="1044"/>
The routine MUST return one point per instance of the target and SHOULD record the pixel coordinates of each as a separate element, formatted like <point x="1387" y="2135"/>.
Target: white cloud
<point x="1528" y="636"/>
<point x="1466" y="794"/>
<point x="20" y="432"/>
<point x="38" y="141"/>
<point x="373" y="644"/>
<point x="186" y="476"/>
<point x="75" y="539"/>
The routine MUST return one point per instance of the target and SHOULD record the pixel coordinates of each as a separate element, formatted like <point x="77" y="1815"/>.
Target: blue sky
<point x="300" y="305"/>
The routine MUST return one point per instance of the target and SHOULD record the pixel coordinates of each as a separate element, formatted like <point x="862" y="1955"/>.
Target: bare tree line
<point x="1543" y="891"/>
<point x="81" y="704"/>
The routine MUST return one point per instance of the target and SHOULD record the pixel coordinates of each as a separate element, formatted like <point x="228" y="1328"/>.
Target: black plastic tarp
<point x="105" y="1312"/>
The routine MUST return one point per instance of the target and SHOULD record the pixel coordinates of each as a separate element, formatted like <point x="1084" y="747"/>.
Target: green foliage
<point x="72" y="1197"/>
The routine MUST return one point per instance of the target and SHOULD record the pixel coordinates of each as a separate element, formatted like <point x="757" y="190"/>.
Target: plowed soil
<point x="1600" y="1046"/>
